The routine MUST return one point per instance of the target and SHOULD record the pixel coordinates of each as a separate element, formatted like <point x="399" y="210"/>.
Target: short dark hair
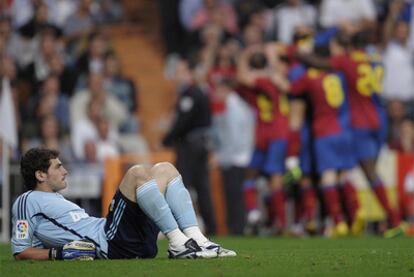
<point x="342" y="39"/>
<point x="33" y="160"/>
<point x="362" y="38"/>
<point x="258" y="60"/>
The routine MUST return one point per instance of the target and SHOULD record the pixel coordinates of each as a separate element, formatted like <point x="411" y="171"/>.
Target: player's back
<point x="47" y="219"/>
<point x="363" y="74"/>
<point x="271" y="109"/>
<point x="327" y="96"/>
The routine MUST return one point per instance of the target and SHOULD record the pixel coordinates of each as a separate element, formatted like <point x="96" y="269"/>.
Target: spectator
<point x="52" y="101"/>
<point x="110" y="105"/>
<point x="252" y="36"/>
<point x="60" y="10"/>
<point x="8" y="38"/>
<point x="123" y="89"/>
<point x="38" y="70"/>
<point x="186" y="10"/>
<point x="293" y="14"/>
<point x="105" y="146"/>
<point x="217" y="12"/>
<point x="211" y="37"/>
<point x="78" y="27"/>
<point x="245" y="8"/>
<point x="398" y="83"/>
<point x="93" y="59"/>
<point x="66" y="75"/>
<point x="405" y="144"/>
<point x="39" y="20"/>
<point x="173" y="33"/>
<point x="408" y="201"/>
<point x="21" y="11"/>
<point x="51" y="136"/>
<point x="224" y="67"/>
<point x="108" y="11"/>
<point x="335" y="12"/>
<point x="396" y="114"/>
<point x="86" y="130"/>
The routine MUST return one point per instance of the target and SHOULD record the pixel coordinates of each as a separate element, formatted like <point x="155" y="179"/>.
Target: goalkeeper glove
<point x="74" y="250"/>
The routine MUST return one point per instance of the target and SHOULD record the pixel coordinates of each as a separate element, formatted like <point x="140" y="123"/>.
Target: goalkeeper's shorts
<point x="130" y="233"/>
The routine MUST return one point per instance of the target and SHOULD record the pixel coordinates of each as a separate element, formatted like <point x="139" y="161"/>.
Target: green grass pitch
<point x="365" y="256"/>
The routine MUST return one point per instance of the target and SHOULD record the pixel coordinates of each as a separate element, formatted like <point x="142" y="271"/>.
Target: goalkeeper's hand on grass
<point x="74" y="250"/>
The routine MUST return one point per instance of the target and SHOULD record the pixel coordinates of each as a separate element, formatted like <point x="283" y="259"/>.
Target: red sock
<point x="309" y="203"/>
<point x="351" y="199"/>
<point x="293" y="143"/>
<point x="278" y="207"/>
<point x="250" y="195"/>
<point x="332" y="204"/>
<point x="392" y="214"/>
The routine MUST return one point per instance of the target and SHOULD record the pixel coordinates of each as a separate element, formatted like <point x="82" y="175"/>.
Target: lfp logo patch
<point x="22" y="229"/>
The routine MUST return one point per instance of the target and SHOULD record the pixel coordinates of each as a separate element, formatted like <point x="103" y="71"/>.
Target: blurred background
<point x="102" y="82"/>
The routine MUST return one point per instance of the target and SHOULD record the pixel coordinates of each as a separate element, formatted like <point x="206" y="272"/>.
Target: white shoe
<point x="191" y="250"/>
<point x="221" y="252"/>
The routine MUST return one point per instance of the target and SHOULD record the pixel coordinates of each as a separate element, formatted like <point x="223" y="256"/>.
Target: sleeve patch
<point x="22" y="229"/>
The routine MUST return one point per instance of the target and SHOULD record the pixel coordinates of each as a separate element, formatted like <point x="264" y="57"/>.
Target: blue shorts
<point x="305" y="156"/>
<point x="130" y="233"/>
<point x="272" y="160"/>
<point x="334" y="152"/>
<point x="367" y="143"/>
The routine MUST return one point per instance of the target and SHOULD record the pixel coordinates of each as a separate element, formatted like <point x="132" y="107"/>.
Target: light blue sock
<point x="179" y="200"/>
<point x="153" y="203"/>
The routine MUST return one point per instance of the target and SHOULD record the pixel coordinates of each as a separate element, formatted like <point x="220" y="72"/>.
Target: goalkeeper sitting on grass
<point x="47" y="226"/>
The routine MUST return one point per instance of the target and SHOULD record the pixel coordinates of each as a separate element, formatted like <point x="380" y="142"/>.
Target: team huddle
<point x="338" y="85"/>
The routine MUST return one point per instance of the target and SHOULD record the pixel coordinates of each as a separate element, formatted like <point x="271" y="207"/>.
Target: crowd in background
<point x="211" y="37"/>
<point x="66" y="79"/>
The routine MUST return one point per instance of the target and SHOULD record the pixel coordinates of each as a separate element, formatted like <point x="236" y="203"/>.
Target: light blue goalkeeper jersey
<point x="47" y="219"/>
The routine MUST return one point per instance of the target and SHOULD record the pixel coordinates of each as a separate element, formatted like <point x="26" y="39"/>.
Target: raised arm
<point x="245" y="74"/>
<point x="395" y="8"/>
<point x="281" y="82"/>
<point x="313" y="60"/>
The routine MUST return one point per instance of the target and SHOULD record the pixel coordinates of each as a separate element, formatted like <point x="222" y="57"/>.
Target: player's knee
<point x="164" y="169"/>
<point x="140" y="173"/>
<point x="329" y="177"/>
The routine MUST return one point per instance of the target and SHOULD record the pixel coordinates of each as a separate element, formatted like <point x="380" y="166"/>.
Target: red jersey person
<point x="263" y="90"/>
<point x="333" y="138"/>
<point x="408" y="201"/>
<point x="223" y="68"/>
<point x="363" y="74"/>
<point x="299" y="142"/>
